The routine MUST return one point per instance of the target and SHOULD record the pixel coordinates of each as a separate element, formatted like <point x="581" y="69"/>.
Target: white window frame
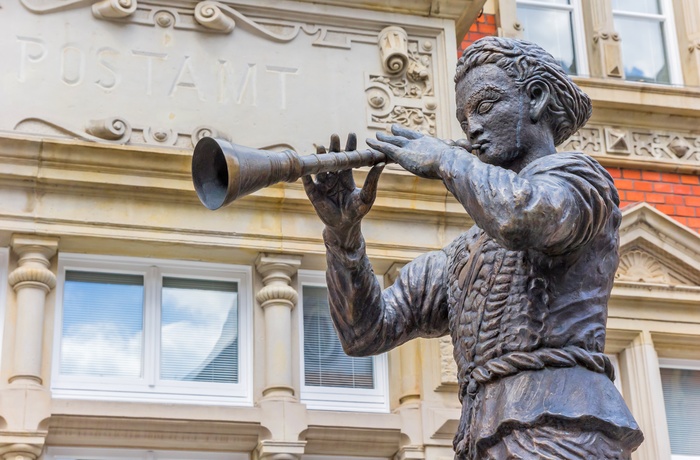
<point x="76" y="453"/>
<point x="4" y="274"/>
<point x="148" y="387"/>
<point x="340" y="399"/>
<point x="669" y="31"/>
<point x="686" y="364"/>
<point x="578" y="30"/>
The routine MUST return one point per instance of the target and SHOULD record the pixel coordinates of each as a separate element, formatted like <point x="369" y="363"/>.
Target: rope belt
<point x="517" y="361"/>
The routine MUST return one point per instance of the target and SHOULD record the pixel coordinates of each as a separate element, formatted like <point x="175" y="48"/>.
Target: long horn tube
<point x="222" y="171"/>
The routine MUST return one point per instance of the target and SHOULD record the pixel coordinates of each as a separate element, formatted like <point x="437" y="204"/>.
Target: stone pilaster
<point x="605" y="53"/>
<point x="31" y="280"/>
<point x="689" y="40"/>
<point x="642" y="390"/>
<point x="25" y="403"/>
<point x="277" y="298"/>
<point x="508" y="24"/>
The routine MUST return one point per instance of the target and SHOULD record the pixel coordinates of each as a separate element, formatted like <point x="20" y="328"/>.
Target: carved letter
<point x="149" y="66"/>
<point x="26" y="56"/>
<point x="115" y="78"/>
<point x="189" y="82"/>
<point x="77" y="62"/>
<point x="249" y="80"/>
<point x="282" y="71"/>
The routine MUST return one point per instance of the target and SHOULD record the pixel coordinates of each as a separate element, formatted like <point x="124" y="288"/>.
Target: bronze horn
<point x="222" y="171"/>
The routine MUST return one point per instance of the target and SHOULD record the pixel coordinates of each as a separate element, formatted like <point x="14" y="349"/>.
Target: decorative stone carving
<point x="448" y="367"/>
<point x="617" y="141"/>
<point x="637" y="143"/>
<point x="114" y="9"/>
<point x="587" y="139"/>
<point x="407" y="97"/>
<point x="209" y="15"/>
<point x="393" y="49"/>
<point x="117" y="130"/>
<point x="640" y="266"/>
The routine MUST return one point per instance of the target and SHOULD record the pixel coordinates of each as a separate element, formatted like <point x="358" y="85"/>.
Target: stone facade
<point x="103" y="103"/>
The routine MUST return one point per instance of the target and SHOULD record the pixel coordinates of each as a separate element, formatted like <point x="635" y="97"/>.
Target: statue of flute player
<point x="524" y="292"/>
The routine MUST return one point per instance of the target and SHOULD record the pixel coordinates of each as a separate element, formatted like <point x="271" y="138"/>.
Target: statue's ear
<point x="539" y="99"/>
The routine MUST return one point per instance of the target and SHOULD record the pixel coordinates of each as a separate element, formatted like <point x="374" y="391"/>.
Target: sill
<point x="641" y="96"/>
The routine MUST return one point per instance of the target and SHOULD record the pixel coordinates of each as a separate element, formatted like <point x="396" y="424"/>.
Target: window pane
<point x="643" y="49"/>
<point x="199" y="330"/>
<point x="552" y="30"/>
<point x="637" y="6"/>
<point x="325" y="362"/>
<point x="102" y="325"/>
<point x="682" y="398"/>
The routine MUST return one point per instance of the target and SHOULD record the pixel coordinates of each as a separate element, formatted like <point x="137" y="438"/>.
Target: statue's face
<point x="495" y="115"/>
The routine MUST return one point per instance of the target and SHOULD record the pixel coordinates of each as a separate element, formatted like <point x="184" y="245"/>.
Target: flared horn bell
<point x="223" y="172"/>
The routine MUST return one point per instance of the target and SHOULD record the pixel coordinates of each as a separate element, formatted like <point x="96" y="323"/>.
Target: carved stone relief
<point x="640" y="143"/>
<point x="405" y="94"/>
<point x="448" y="367"/>
<point x="205" y="16"/>
<point x="117" y="130"/>
<point x="639" y="264"/>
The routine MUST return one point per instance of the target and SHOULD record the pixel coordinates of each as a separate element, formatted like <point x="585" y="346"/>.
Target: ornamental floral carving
<point x="406" y="97"/>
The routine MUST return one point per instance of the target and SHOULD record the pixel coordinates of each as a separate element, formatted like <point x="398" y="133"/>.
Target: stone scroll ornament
<point x="524" y="293"/>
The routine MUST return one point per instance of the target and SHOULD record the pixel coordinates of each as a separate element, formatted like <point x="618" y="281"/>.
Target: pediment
<point x="657" y="250"/>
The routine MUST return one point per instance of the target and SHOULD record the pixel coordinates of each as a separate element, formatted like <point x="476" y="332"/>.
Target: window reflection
<point x="552" y="29"/>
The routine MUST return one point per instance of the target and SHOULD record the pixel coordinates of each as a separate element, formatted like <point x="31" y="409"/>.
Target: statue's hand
<point x="338" y="202"/>
<point x="414" y="151"/>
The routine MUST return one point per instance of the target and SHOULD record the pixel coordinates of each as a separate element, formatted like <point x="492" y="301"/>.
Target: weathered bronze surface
<point x="524" y="292"/>
<point x="222" y="172"/>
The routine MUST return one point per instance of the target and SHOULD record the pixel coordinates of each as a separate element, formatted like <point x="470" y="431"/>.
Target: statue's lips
<point x="479" y="148"/>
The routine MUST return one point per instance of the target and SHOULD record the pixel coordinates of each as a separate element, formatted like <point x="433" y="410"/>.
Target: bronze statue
<point x="524" y="292"/>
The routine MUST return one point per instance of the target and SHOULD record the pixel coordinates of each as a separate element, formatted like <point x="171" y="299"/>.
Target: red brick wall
<point x="676" y="195"/>
<point x="484" y="26"/>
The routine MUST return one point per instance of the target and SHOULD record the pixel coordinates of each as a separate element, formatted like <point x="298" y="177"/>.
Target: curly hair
<point x="569" y="108"/>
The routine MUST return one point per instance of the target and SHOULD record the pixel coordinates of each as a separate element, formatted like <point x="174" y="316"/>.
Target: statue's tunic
<point x="523" y="294"/>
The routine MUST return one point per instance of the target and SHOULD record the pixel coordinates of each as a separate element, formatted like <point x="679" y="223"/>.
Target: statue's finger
<point x="399" y="130"/>
<point x="351" y="143"/>
<point x="464" y="143"/>
<point x="390" y="150"/>
<point x="320" y="150"/>
<point x="400" y="141"/>
<point x="369" y="189"/>
<point x="335" y="143"/>
<point x="309" y="187"/>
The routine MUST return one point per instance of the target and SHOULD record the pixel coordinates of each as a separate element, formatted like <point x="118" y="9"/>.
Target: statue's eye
<point x="484" y="107"/>
<point x="465" y="126"/>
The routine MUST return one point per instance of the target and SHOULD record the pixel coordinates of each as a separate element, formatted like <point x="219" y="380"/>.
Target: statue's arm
<point x="557" y="204"/>
<point x="370" y="321"/>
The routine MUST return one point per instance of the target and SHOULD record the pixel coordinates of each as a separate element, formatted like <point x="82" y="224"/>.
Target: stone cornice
<point x="643" y="97"/>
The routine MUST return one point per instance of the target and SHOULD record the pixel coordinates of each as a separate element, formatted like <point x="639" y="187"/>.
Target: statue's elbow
<point x="354" y="347"/>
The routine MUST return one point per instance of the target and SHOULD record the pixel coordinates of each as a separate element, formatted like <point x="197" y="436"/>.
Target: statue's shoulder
<point x="574" y="163"/>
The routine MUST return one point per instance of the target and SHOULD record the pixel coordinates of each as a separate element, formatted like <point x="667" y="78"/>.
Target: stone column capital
<point x="277" y="271"/>
<point x="34" y="254"/>
<point x="21" y="451"/>
<point x="287" y="264"/>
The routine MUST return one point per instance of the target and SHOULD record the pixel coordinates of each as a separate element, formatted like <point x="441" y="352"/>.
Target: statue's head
<point x="513" y="96"/>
